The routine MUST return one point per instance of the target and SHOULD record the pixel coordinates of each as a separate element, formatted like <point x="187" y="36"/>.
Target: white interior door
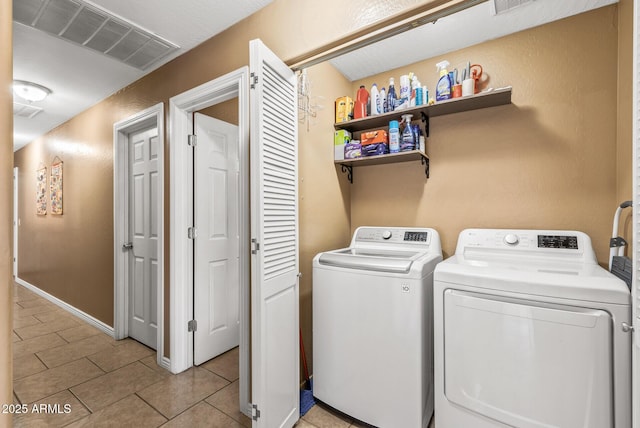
<point x="274" y="235"/>
<point x="217" y="244"/>
<point x="143" y="236"/>
<point x="15" y="222"/>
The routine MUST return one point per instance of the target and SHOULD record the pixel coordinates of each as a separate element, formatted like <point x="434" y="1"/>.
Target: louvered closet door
<point x="274" y="229"/>
<point x="635" y="289"/>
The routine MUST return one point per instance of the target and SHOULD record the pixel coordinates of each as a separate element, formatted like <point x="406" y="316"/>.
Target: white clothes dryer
<point x="373" y="326"/>
<point x="530" y="332"/>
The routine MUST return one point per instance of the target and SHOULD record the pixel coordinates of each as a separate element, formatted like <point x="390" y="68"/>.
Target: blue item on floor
<point x="306" y="398"/>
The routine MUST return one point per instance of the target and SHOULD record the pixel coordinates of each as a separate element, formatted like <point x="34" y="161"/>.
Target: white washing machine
<point x="529" y="333"/>
<point x="373" y="326"/>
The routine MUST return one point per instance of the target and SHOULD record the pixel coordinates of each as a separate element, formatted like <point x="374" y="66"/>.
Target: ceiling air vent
<point x="25" y="110"/>
<point x="94" y="28"/>
<point x="503" y="6"/>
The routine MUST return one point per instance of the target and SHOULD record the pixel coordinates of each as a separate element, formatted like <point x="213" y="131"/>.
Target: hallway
<point x="59" y="359"/>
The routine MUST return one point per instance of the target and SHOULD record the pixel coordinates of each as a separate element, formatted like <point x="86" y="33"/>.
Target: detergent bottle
<point x="405" y="92"/>
<point x="443" y="88"/>
<point x="375" y="100"/>
<point x="362" y="101"/>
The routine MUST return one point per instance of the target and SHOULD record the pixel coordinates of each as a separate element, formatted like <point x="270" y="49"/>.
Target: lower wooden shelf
<point x="408" y="156"/>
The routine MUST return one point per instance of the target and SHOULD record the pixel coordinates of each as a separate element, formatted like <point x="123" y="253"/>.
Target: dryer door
<point x="528" y="364"/>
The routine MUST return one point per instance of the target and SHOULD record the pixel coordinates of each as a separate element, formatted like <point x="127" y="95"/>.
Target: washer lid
<point x="566" y="280"/>
<point x="371" y="259"/>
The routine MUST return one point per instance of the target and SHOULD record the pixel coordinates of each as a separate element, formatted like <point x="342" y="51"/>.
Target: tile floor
<point x="61" y="360"/>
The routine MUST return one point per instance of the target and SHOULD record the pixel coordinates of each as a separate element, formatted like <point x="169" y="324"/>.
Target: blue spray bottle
<point x="407" y="142"/>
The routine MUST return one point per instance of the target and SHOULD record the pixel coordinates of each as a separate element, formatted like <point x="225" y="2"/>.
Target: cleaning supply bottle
<point x="407" y="141"/>
<point x="383" y="100"/>
<point x="362" y="100"/>
<point x="443" y="88"/>
<point x="375" y="100"/>
<point x="405" y="92"/>
<point x="416" y="92"/>
<point x="394" y="136"/>
<point x="425" y="95"/>
<point x="391" y="96"/>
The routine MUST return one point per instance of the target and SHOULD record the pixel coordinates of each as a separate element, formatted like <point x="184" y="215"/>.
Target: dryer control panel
<point x="541" y="243"/>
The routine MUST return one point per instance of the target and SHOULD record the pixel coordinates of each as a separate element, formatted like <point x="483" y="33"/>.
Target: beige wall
<point x="625" y="117"/>
<point x="548" y="160"/>
<point x="71" y="256"/>
<point x="324" y="199"/>
<point x="6" y="202"/>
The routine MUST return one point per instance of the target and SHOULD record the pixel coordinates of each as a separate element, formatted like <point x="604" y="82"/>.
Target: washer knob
<point x="511" y="239"/>
<point x="386" y="234"/>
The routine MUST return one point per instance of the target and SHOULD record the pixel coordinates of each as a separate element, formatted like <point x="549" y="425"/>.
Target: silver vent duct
<point x="87" y="25"/>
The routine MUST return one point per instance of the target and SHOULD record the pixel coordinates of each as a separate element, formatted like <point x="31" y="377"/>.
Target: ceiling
<point x="80" y="77"/>
<point x="469" y="27"/>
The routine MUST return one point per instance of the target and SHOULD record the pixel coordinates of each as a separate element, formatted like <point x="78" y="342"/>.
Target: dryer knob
<point x="386" y="234"/>
<point x="511" y="239"/>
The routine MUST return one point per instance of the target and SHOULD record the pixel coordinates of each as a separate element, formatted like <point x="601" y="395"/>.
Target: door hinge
<point x="192" y="232"/>
<point x="192" y="140"/>
<point x="192" y="325"/>
<point x="253" y="80"/>
<point x="255" y="412"/>
<point x="255" y="246"/>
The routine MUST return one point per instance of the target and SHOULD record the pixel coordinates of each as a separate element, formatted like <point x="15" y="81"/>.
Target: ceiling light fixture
<point x="30" y="91"/>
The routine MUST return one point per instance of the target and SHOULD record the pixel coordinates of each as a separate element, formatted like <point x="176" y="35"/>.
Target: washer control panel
<point x="393" y="235"/>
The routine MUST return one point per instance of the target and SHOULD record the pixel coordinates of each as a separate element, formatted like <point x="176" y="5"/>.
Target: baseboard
<point x="67" y="307"/>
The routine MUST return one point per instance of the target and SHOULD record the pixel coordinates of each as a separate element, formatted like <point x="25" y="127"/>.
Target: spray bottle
<point x="407" y="141"/>
<point x="443" y="88"/>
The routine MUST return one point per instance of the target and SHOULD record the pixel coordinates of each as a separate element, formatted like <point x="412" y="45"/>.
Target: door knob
<point x="627" y="328"/>
<point x="127" y="246"/>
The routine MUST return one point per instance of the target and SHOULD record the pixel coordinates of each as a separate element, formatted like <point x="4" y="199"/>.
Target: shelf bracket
<point x="349" y="170"/>
<point x="425" y="162"/>
<point x="425" y="120"/>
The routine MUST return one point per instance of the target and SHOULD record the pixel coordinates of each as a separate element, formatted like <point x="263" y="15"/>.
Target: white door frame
<point x="16" y="222"/>
<point x="635" y="255"/>
<point x="151" y="117"/>
<point x="181" y="109"/>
